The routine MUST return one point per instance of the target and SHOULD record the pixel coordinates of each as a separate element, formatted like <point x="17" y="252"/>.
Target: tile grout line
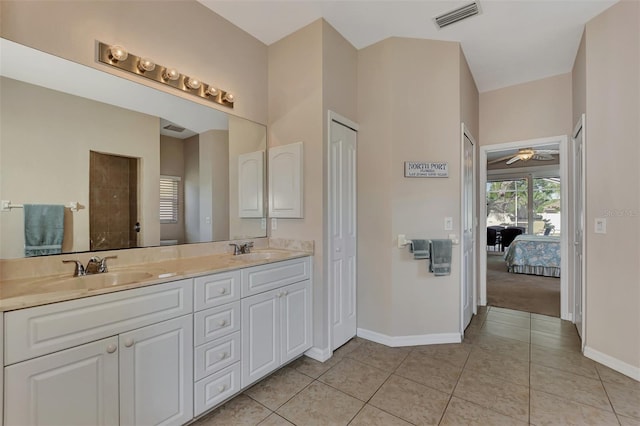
<point x="444" y="412"/>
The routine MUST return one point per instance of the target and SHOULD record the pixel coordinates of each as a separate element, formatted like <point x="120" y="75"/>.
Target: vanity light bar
<point x="118" y="57"/>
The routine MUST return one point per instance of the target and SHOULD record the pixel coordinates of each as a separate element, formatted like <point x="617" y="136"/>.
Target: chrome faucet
<point x="242" y="248"/>
<point x="96" y="265"/>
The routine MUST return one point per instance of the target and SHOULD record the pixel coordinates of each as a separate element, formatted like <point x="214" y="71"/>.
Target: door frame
<point x="563" y="141"/>
<point x="331" y="117"/>
<point x="465" y="132"/>
<point x="580" y="187"/>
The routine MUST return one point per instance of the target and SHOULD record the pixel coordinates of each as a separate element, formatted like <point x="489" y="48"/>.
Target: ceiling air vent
<point x="456" y="15"/>
<point x="174" y="128"/>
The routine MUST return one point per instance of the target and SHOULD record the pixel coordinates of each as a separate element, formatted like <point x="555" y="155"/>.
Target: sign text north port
<point x="426" y="169"/>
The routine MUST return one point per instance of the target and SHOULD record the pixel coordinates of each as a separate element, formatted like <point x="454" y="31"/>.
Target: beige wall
<point x="579" y="82"/>
<point x="536" y="109"/>
<point x="183" y="34"/>
<point x="310" y="71"/>
<point x="409" y="108"/>
<point x="613" y="183"/>
<point x="216" y="162"/>
<point x="469" y="99"/>
<point x="54" y="130"/>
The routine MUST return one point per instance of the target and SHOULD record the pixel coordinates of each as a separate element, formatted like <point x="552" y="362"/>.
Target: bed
<point x="535" y="255"/>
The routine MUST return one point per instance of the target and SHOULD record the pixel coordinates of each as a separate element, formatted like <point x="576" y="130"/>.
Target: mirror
<point x="58" y="117"/>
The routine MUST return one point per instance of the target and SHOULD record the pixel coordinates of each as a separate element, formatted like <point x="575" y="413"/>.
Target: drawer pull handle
<point x="111" y="348"/>
<point x="222" y="388"/>
<point x="222" y="355"/>
<point x="222" y="290"/>
<point x="128" y="342"/>
<point x="222" y="323"/>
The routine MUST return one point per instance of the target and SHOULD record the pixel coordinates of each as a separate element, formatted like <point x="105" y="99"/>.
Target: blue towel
<point x="419" y="248"/>
<point x="440" y="257"/>
<point x="43" y="229"/>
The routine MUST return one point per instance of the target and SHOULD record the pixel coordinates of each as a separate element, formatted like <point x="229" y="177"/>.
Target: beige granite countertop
<point x="27" y="292"/>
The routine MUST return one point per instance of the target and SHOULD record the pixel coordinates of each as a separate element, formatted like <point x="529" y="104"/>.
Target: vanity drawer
<point x="216" y="322"/>
<point x="215" y="290"/>
<point x="216" y="355"/>
<point x="45" y="329"/>
<point x="258" y="279"/>
<point x="214" y="389"/>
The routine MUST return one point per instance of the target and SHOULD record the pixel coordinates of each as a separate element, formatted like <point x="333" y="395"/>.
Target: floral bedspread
<point x="534" y="254"/>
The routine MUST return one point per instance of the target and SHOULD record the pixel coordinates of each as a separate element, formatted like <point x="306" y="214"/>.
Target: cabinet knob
<point x="222" y="388"/>
<point x="112" y="348"/>
<point x="222" y="355"/>
<point x="284" y="293"/>
<point x="128" y="342"/>
<point x="222" y="323"/>
<point x="222" y="290"/>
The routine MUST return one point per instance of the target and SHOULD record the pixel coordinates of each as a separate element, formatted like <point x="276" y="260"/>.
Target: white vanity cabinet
<point x="119" y="358"/>
<point x="276" y="324"/>
<point x="217" y="339"/>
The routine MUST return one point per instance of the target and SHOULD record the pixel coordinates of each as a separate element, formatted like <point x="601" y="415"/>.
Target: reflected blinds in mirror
<point x="169" y="201"/>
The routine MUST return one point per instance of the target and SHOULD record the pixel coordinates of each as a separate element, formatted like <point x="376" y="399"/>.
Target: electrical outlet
<point x="448" y="224"/>
<point x="274" y="223"/>
<point x="263" y="223"/>
<point x="601" y="225"/>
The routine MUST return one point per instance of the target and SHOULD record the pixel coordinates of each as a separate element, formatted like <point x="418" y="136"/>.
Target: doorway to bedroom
<point x="524" y="197"/>
<point x="523" y="237"/>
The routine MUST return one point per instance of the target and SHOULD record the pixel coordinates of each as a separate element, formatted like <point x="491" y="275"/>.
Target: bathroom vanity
<point x="178" y="340"/>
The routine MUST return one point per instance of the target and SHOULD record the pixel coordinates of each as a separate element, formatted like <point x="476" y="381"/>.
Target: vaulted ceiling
<point x="509" y="42"/>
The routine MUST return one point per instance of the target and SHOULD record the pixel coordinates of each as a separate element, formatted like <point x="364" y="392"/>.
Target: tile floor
<point x="513" y="368"/>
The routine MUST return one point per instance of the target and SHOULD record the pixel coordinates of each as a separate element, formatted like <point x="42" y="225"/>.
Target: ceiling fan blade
<point x="498" y="160"/>
<point x="513" y="160"/>
<point x="542" y="157"/>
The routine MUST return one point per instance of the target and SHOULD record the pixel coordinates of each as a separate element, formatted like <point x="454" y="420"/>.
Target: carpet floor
<point x="529" y="293"/>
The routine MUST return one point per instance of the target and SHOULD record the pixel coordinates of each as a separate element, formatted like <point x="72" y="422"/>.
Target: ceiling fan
<point x="526" y="154"/>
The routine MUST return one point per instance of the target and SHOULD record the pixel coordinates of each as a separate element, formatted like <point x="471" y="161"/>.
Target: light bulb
<point x="212" y="91"/>
<point x="228" y="97"/>
<point x="146" y="64"/>
<point x="192" y="83"/>
<point x="118" y="53"/>
<point x="171" y="74"/>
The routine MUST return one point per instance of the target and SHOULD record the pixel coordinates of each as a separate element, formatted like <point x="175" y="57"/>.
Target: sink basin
<point x="261" y="255"/>
<point x="108" y="279"/>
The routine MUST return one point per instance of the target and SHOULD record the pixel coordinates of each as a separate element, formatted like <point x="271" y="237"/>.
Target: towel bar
<point x="7" y="205"/>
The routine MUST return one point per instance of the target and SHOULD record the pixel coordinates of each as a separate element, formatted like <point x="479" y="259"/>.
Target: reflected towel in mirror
<point x="43" y="229"/>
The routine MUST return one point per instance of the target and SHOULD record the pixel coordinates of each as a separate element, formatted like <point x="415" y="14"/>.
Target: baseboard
<point x="319" y="354"/>
<point x="413" y="340"/>
<point x="567" y="317"/>
<point x="613" y="363"/>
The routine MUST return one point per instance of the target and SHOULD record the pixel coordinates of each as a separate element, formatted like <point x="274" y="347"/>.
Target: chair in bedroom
<point x="510" y="234"/>
<point x="494" y="236"/>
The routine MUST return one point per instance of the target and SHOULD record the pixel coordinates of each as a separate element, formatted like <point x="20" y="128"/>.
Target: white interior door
<point x="342" y="226"/>
<point x="578" y="232"/>
<point x="468" y="239"/>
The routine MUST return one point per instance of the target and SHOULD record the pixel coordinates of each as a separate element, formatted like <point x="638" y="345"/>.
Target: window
<point x="169" y="187"/>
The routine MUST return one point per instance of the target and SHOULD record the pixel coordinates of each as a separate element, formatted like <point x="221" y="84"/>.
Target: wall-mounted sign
<point x="426" y="169"/>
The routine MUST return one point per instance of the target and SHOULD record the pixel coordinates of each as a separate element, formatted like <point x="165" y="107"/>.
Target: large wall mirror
<point x="146" y="168"/>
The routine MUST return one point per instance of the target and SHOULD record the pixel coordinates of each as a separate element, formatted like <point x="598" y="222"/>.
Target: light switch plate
<point x="263" y="223"/>
<point x="274" y="223"/>
<point x="448" y="224"/>
<point x="600" y="225"/>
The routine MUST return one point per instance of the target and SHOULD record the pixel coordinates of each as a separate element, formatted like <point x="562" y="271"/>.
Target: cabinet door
<point x="260" y="336"/>
<point x="295" y="301"/>
<point x="77" y="386"/>
<point x="286" y="181"/>
<point x="156" y="374"/>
